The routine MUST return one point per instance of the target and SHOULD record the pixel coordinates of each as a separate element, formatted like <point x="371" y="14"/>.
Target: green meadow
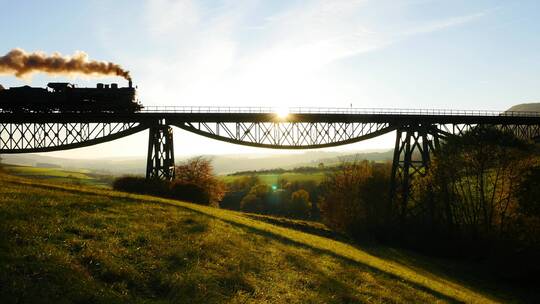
<point x="63" y="243"/>
<point x="59" y="175"/>
<point x="273" y="179"/>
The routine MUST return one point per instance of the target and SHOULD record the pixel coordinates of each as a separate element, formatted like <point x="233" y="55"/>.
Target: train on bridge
<point x="63" y="97"/>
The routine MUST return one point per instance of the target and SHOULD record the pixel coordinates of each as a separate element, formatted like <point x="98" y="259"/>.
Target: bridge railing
<point x="308" y="110"/>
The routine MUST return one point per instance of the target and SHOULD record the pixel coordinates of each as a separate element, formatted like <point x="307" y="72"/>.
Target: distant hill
<point x="47" y="165"/>
<point x="371" y="156"/>
<point x="526" y="107"/>
<point x="113" y="166"/>
<point x="223" y="164"/>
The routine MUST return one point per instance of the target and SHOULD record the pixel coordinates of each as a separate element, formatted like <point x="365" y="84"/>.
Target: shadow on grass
<point x="470" y="274"/>
<point x="271" y="235"/>
<point x="301" y="226"/>
<point x="326" y="252"/>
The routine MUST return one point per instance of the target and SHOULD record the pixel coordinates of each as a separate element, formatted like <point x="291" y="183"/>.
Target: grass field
<point x="273" y="179"/>
<point x="75" y="243"/>
<point x="58" y="175"/>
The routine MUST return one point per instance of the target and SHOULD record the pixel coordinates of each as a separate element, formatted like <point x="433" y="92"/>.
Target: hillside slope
<point x="526" y="107"/>
<point x="79" y="244"/>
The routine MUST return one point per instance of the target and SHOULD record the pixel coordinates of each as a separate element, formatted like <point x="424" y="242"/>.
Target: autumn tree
<point x="195" y="179"/>
<point x="299" y="204"/>
<point x="237" y="189"/>
<point x="256" y="199"/>
<point x="355" y="198"/>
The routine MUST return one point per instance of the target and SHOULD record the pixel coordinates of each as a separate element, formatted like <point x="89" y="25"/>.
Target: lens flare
<point x="282" y="113"/>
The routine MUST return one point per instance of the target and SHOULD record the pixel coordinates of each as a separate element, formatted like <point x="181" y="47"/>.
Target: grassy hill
<point x="526" y="107"/>
<point x="74" y="243"/>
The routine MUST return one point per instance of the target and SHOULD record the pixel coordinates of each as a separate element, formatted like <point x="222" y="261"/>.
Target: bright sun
<point x="282" y="112"/>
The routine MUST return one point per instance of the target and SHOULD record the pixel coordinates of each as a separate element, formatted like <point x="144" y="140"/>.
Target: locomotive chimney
<point x="130" y="84"/>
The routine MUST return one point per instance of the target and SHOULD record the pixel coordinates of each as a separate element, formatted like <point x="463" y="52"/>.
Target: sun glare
<point x="282" y="112"/>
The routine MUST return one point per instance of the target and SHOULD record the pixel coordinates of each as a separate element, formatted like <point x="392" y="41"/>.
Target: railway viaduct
<point x="417" y="131"/>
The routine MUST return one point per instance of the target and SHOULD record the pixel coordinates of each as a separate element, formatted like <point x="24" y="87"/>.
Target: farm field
<point x="77" y="243"/>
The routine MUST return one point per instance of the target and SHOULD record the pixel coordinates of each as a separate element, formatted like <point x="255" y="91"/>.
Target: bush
<point x="135" y="184"/>
<point x="189" y="192"/>
<point x="195" y="182"/>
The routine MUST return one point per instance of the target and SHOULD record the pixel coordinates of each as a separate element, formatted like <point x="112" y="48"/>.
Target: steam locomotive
<point x="63" y="97"/>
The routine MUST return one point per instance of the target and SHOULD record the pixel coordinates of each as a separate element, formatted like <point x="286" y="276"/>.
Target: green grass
<point x="273" y="179"/>
<point x="58" y="175"/>
<point x="74" y="243"/>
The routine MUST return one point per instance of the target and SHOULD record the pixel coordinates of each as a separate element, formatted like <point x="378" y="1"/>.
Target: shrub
<point x="141" y="185"/>
<point x="195" y="182"/>
<point x="189" y="192"/>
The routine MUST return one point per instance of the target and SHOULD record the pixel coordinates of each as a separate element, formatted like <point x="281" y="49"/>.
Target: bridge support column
<point x="160" y="159"/>
<point x="411" y="160"/>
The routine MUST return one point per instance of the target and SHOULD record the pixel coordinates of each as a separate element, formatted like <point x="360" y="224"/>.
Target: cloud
<point x="166" y="16"/>
<point x="312" y="35"/>
<point x="443" y="24"/>
<point x="203" y="54"/>
<point x="240" y="52"/>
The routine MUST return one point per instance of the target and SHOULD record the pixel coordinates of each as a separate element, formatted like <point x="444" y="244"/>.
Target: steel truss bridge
<point x="417" y="131"/>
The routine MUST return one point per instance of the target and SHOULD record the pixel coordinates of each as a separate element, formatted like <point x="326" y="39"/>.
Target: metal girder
<point x="44" y="137"/>
<point x="523" y="131"/>
<point x="411" y="160"/>
<point x="288" y="135"/>
<point x="160" y="158"/>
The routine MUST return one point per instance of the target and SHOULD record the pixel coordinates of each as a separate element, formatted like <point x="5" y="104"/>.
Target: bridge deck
<point x="268" y="114"/>
<point x="335" y="110"/>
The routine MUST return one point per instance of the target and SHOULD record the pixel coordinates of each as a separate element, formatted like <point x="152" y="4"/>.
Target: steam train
<point x="63" y="97"/>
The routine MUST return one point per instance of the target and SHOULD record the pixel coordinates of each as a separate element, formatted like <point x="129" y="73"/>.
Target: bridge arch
<point x="288" y="135"/>
<point x="32" y="137"/>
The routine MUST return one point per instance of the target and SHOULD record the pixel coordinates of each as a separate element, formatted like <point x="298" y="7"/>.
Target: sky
<point x="368" y="53"/>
